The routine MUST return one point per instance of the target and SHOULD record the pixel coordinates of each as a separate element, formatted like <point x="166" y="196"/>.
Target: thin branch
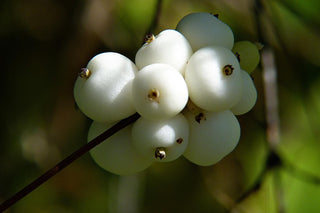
<point x="279" y="192"/>
<point x="67" y="161"/>
<point x="269" y="73"/>
<point x="276" y="26"/>
<point x="269" y="76"/>
<point x="271" y="97"/>
<point x="85" y="148"/>
<point x="155" y="21"/>
<point x="272" y="162"/>
<point x="271" y="94"/>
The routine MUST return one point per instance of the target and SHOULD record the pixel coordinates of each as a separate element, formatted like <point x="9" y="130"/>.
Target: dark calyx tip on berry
<point x="84" y="73"/>
<point x="228" y="69"/>
<point x="153" y="95"/>
<point x="238" y="56"/>
<point x="160" y="153"/>
<point x="149" y="38"/>
<point x="200" y="117"/>
<point x="215" y="15"/>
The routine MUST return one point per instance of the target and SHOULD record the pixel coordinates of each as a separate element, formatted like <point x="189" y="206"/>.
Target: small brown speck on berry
<point x="179" y="140"/>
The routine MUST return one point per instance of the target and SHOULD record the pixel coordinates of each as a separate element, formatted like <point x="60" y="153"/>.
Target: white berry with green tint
<point x="247" y="54"/>
<point x="117" y="154"/>
<point x="249" y="95"/>
<point x="159" y="92"/>
<point x="212" y="137"/>
<point x="204" y="29"/>
<point x="168" y="47"/>
<point x="162" y="141"/>
<point x="103" y="90"/>
<point x="214" y="79"/>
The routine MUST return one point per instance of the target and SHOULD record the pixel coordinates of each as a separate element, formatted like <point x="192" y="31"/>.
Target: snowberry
<point x="247" y="54"/>
<point x="214" y="79"/>
<point x="103" y="89"/>
<point x="164" y="140"/>
<point x="212" y="136"/>
<point x="169" y="47"/>
<point x="159" y="92"/>
<point x="117" y="154"/>
<point x="249" y="95"/>
<point x="187" y="100"/>
<point x="204" y="29"/>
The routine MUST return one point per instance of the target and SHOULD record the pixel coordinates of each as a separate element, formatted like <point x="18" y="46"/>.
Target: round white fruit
<point x="212" y="137"/>
<point x="247" y="54"/>
<point x="204" y="29"/>
<point x="168" y="47"/>
<point x="214" y="79"/>
<point x="249" y="95"/>
<point x="117" y="154"/>
<point x="159" y="92"/>
<point x="105" y="94"/>
<point x="161" y="141"/>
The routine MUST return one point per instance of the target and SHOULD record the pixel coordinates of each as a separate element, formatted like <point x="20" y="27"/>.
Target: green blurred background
<point x="44" y="43"/>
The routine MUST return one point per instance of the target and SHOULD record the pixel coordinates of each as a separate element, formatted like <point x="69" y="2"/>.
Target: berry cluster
<point x="187" y="84"/>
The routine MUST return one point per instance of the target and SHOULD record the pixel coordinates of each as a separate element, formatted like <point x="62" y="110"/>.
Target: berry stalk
<point x="67" y="161"/>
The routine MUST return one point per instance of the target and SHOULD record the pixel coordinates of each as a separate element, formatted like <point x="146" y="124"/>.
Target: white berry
<point x="117" y="154"/>
<point x="159" y="92"/>
<point x="169" y="47"/>
<point x="204" y="29"/>
<point x="212" y="137"/>
<point x="249" y="95"/>
<point x="104" y="94"/>
<point x="214" y="79"/>
<point x="247" y="54"/>
<point x="162" y="141"/>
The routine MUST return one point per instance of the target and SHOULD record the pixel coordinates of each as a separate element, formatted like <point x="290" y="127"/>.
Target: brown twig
<point x="155" y="21"/>
<point x="67" y="161"/>
<point x="269" y="73"/>
<point x="85" y="148"/>
<point x="271" y="97"/>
